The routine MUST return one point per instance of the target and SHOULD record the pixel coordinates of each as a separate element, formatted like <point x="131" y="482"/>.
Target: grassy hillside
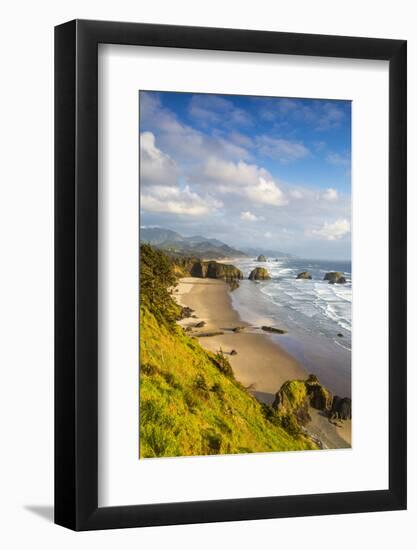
<point x="190" y="403"/>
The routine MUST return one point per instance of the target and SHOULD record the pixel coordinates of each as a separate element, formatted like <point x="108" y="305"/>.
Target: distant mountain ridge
<point x="197" y="245"/>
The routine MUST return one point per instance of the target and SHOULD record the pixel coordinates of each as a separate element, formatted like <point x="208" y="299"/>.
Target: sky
<point x="272" y="173"/>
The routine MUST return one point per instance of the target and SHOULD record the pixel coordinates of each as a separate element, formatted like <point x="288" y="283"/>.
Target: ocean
<point x="316" y="314"/>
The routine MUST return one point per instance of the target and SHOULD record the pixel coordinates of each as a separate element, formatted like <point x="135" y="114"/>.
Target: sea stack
<point x="304" y="275"/>
<point x="259" y="274"/>
<point x="335" y="277"/>
<point x="261" y="258"/>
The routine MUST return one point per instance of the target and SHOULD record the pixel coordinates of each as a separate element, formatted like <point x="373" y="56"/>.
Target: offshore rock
<point x="259" y="274"/>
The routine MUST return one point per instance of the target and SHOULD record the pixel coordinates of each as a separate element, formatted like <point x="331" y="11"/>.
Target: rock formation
<point x="213" y="270"/>
<point x="335" y="277"/>
<point x="304" y="275"/>
<point x="273" y="329"/>
<point x="259" y="273"/>
<point x="341" y="408"/>
<point x="261" y="258"/>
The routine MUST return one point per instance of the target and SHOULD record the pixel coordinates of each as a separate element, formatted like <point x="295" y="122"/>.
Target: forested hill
<point x="197" y="245"/>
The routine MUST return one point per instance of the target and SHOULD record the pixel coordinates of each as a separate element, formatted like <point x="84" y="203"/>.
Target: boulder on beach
<point x="186" y="312"/>
<point x="233" y="285"/>
<point x="341" y="408"/>
<point x="304" y="275"/>
<point x="261" y="258"/>
<point x="226" y="272"/>
<point x="259" y="274"/>
<point x="274" y="330"/>
<point x="201" y="324"/>
<point x="335" y="277"/>
<point x="295" y="397"/>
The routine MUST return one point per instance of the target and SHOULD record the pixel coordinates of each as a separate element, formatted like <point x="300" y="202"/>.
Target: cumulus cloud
<point x="156" y="168"/>
<point x="330" y="194"/>
<point x="177" y="201"/>
<point x="160" y="188"/>
<point x="241" y="178"/>
<point x="333" y="231"/>
<point x="205" y="177"/>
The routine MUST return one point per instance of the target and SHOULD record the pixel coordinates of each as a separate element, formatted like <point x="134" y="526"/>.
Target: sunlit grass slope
<point x="190" y="403"/>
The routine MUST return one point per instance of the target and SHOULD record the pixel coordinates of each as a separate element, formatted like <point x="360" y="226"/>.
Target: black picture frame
<point x="76" y="272"/>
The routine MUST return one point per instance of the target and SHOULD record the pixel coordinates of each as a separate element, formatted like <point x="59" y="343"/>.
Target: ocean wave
<point x="314" y="305"/>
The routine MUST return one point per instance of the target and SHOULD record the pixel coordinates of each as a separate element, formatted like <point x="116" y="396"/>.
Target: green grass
<point x="190" y="404"/>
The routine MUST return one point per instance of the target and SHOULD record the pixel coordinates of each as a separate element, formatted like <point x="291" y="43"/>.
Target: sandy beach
<point x="260" y="364"/>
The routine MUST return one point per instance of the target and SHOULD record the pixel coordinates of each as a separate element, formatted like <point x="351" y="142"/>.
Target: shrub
<point x="171" y="380"/>
<point x="212" y="441"/>
<point x="201" y="387"/>
<point x="290" y="425"/>
<point x="218" y="390"/>
<point x="222" y="363"/>
<point x="156" y="277"/>
<point x="158" y="442"/>
<point x="191" y="401"/>
<point x="148" y="368"/>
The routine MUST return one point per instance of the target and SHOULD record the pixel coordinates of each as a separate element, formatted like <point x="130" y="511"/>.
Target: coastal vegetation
<point x="190" y="401"/>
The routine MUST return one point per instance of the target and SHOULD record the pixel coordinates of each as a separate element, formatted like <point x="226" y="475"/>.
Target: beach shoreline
<point x="260" y="364"/>
<point x="212" y="305"/>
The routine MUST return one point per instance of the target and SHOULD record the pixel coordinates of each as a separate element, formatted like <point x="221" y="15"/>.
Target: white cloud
<point x="330" y="194"/>
<point x="282" y="150"/>
<point x="268" y="234"/>
<point x="248" y="216"/>
<point x="296" y="194"/>
<point x="333" y="231"/>
<point x="177" y="201"/>
<point x="247" y="180"/>
<point x="159" y="182"/>
<point x="156" y="168"/>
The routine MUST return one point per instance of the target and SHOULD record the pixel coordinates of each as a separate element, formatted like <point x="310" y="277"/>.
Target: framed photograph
<point x="230" y="252"/>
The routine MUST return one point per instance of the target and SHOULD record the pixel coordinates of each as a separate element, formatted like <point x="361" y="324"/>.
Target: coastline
<point x="211" y="302"/>
<point x="260" y="363"/>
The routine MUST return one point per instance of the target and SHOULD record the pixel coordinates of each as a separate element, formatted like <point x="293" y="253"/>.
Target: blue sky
<point x="251" y="171"/>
